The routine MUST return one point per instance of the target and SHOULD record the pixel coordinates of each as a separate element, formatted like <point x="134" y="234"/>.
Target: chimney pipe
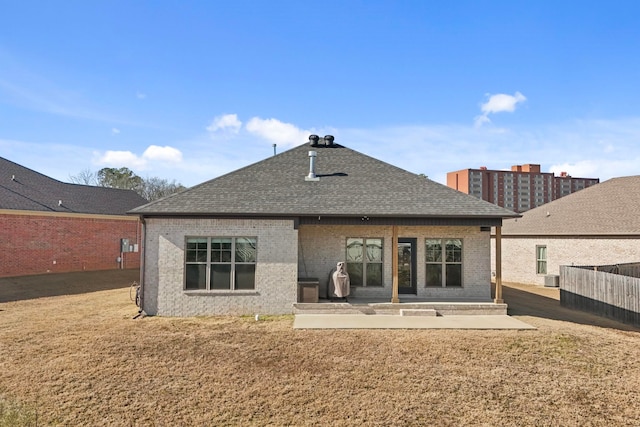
<point x="312" y="167"/>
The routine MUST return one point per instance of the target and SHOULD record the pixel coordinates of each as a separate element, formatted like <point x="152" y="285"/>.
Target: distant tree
<point x="120" y="178"/>
<point x="85" y="176"/>
<point x="151" y="188"/>
<point x="157" y="188"/>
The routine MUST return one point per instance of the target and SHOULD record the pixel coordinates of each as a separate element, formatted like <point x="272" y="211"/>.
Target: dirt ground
<point x="79" y="358"/>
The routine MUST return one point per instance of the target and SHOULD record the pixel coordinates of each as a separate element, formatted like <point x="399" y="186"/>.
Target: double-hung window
<point x="541" y="260"/>
<point x="444" y="262"/>
<point x="220" y="263"/>
<point x="364" y="261"/>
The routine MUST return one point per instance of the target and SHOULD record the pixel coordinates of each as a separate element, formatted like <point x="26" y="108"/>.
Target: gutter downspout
<point x="143" y="252"/>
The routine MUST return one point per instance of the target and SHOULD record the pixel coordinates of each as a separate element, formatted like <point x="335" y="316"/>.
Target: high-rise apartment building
<point x="521" y="189"/>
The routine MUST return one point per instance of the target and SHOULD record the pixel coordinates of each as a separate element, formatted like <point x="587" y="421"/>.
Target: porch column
<point x="498" y="299"/>
<point x="394" y="265"/>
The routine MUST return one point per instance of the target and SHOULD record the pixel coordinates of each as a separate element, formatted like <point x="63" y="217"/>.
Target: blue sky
<point x="190" y="90"/>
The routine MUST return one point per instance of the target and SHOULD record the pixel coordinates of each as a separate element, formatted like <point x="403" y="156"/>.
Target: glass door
<point x="407" y="266"/>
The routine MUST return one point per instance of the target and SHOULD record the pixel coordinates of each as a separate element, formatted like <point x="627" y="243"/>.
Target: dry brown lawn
<point x="82" y="360"/>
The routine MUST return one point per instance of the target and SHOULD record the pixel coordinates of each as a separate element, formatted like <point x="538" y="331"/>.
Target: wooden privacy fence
<point x="609" y="290"/>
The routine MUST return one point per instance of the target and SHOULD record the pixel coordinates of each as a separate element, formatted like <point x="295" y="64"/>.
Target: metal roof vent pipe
<point x="312" y="167"/>
<point x="328" y="140"/>
<point x="313" y="140"/>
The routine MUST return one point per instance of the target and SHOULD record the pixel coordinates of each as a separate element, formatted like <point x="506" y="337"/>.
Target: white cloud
<point x="120" y="159"/>
<point x="502" y="103"/>
<point x="225" y="122"/>
<point x="141" y="95"/>
<point x="165" y="154"/>
<point x="276" y="131"/>
<point x="481" y="119"/>
<point x="149" y="158"/>
<point x="498" y="103"/>
<point x="115" y="131"/>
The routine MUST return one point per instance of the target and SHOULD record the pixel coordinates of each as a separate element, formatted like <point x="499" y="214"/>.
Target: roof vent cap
<point x="312" y="167"/>
<point x="313" y="140"/>
<point x="328" y="140"/>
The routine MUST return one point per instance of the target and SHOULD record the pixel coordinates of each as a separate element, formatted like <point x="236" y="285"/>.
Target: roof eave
<point x="508" y="235"/>
<point x="307" y="214"/>
<point x="361" y="219"/>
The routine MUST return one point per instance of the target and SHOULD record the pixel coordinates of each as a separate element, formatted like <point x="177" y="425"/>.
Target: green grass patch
<point x="15" y="415"/>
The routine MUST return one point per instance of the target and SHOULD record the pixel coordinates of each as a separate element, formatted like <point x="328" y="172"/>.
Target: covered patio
<point x="404" y="310"/>
<point x="403" y="278"/>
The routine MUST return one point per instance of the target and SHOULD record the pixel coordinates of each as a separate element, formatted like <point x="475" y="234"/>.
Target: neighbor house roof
<point x="608" y="208"/>
<point x="350" y="184"/>
<point x="24" y="189"/>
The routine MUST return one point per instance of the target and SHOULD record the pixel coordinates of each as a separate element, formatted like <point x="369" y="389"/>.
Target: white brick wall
<point x="276" y="268"/>
<point x="284" y="255"/>
<point x="519" y="255"/>
<point x="321" y="247"/>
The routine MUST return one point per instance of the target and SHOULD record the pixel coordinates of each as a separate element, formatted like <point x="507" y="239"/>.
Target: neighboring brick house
<point x="241" y="243"/>
<point x="595" y="226"/>
<point x="51" y="226"/>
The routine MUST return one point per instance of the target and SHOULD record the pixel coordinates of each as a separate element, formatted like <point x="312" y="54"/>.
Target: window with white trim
<point x="541" y="259"/>
<point x="364" y="261"/>
<point x="220" y="263"/>
<point x="444" y="262"/>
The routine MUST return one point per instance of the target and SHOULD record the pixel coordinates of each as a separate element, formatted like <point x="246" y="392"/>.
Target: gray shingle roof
<point x="351" y="184"/>
<point x="608" y="208"/>
<point x="24" y="189"/>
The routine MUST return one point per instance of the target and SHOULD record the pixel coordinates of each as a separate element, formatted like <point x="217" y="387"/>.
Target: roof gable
<point x="350" y="184"/>
<point x="608" y="208"/>
<point x="24" y="189"/>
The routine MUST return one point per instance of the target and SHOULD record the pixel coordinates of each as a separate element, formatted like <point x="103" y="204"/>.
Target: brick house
<point x="241" y="243"/>
<point x="595" y="226"/>
<point x="51" y="226"/>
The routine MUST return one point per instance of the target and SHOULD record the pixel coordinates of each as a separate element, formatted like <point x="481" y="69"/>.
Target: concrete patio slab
<point x="363" y="321"/>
